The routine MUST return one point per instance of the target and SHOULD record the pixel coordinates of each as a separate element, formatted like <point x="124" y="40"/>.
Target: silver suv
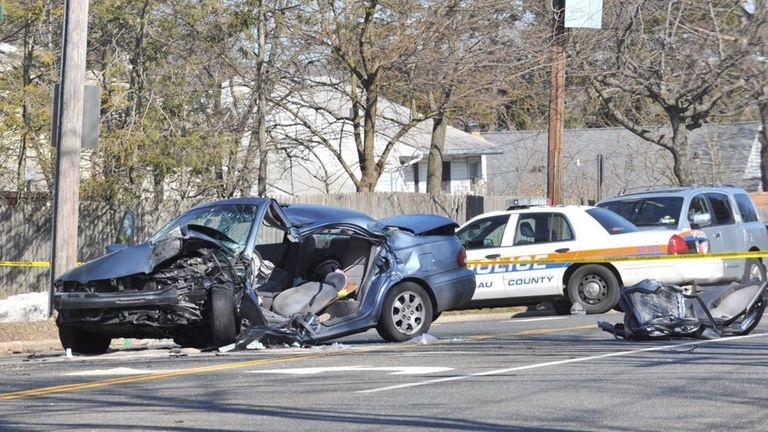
<point x="726" y="214"/>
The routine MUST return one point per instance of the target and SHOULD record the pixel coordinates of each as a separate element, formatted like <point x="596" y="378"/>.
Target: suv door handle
<point x="562" y="250"/>
<point x="493" y="256"/>
<point x="717" y="235"/>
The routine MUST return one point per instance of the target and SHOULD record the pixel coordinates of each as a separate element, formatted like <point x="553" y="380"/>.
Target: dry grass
<point x="28" y="331"/>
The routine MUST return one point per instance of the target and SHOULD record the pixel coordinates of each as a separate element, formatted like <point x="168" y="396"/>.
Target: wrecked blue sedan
<point x="247" y="269"/>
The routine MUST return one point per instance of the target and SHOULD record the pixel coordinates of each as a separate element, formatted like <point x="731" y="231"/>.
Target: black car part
<point x="655" y="310"/>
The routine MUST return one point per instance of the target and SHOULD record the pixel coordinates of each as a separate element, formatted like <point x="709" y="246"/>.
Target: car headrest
<point x="526" y="230"/>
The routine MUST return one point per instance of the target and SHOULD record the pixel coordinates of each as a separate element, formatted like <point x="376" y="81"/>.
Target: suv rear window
<point x="655" y="211"/>
<point x="612" y="222"/>
<point x="746" y="208"/>
<point x="722" y="208"/>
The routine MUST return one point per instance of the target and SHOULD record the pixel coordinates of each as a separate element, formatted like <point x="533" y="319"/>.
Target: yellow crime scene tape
<point x="25" y="264"/>
<point x="531" y="259"/>
<point x="620" y="258"/>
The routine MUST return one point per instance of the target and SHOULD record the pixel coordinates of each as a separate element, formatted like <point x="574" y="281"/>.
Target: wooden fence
<point x="25" y="229"/>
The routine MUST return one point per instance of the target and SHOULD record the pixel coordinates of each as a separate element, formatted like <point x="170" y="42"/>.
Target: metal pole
<point x="599" y="177"/>
<point x="66" y="199"/>
<point x="556" y="107"/>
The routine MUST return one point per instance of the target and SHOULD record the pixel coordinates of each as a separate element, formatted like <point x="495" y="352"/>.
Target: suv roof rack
<point x="669" y="188"/>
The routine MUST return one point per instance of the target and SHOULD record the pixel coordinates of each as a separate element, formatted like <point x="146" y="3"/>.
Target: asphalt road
<point x="527" y="373"/>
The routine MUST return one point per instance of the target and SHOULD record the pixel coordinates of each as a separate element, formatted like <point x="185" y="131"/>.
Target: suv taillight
<point x="461" y="258"/>
<point x="676" y="245"/>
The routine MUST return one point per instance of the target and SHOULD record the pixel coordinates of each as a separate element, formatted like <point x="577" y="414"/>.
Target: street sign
<point x="584" y="13"/>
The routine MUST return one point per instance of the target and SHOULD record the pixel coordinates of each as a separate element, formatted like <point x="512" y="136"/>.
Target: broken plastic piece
<point x="424" y="339"/>
<point x="227" y="348"/>
<point x="255" y="345"/>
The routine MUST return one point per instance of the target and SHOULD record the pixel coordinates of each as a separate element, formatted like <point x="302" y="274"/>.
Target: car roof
<point x="682" y="191"/>
<point x="536" y="209"/>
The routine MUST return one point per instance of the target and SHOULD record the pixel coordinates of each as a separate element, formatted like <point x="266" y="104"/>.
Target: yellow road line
<point x="533" y="332"/>
<point x="149" y="376"/>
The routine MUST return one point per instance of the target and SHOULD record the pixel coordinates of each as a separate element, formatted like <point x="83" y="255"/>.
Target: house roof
<point x="720" y="154"/>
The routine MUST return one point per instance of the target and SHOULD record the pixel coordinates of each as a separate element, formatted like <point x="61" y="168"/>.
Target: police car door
<point x="538" y="236"/>
<point x="484" y="239"/>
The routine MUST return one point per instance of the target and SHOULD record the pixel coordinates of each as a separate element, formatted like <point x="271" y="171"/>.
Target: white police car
<point x="508" y="251"/>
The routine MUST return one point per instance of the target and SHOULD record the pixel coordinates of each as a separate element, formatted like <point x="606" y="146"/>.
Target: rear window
<point x="722" y="209"/>
<point x="655" y="211"/>
<point x="612" y="222"/>
<point x="746" y="208"/>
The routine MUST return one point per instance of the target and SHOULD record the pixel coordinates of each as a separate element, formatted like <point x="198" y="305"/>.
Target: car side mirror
<point x="487" y="243"/>
<point x="702" y="220"/>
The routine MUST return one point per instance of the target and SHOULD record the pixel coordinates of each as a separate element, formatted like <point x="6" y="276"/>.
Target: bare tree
<point x="756" y="73"/>
<point x="472" y="49"/>
<point x="671" y="62"/>
<point x="356" y="44"/>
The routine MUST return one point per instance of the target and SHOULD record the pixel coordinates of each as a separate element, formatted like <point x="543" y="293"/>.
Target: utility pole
<point x="66" y="198"/>
<point x="556" y="106"/>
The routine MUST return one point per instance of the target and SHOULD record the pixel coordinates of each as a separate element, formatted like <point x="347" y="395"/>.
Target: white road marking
<point x="520" y="320"/>
<point x="559" y="362"/>
<point x="395" y="370"/>
<point x="119" y="371"/>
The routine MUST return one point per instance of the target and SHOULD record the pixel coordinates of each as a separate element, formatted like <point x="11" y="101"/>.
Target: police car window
<point x="483" y="233"/>
<point x="721" y="209"/>
<point x="611" y="222"/>
<point x="746" y="208"/>
<point x="560" y="228"/>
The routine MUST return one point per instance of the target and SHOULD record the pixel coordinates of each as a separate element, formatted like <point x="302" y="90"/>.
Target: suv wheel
<point x="753" y="271"/>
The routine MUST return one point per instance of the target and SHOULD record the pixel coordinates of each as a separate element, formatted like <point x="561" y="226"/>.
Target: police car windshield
<point x="612" y="222"/>
<point x="656" y="211"/>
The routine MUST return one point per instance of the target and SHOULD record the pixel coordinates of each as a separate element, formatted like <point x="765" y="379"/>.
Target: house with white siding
<point x="309" y="154"/>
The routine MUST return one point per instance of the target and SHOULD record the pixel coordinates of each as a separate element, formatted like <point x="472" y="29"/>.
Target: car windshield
<point x="656" y="211"/>
<point x="612" y="222"/>
<point x="228" y="223"/>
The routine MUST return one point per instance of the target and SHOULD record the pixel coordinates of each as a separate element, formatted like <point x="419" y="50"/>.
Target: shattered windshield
<point x="656" y="211"/>
<point x="229" y="223"/>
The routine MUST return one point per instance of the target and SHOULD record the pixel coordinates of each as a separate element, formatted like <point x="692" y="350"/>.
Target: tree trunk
<point x="763" y="137"/>
<point x="261" y="173"/>
<point x="369" y="174"/>
<point x="681" y="154"/>
<point x="435" y="163"/>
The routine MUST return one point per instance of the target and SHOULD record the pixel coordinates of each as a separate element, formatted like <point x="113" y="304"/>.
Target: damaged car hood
<point x="142" y="258"/>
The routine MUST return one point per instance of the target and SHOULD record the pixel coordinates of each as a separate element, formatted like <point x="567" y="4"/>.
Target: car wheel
<point x="594" y="287"/>
<point x="753" y="271"/>
<point x="223" y="329"/>
<point x="406" y="313"/>
<point x="82" y="341"/>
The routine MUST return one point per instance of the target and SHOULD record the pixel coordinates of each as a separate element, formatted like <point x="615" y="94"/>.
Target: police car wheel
<point x="594" y="287"/>
<point x="406" y="313"/>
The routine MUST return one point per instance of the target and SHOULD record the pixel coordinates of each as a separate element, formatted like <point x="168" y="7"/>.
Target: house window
<point x="446" y="179"/>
